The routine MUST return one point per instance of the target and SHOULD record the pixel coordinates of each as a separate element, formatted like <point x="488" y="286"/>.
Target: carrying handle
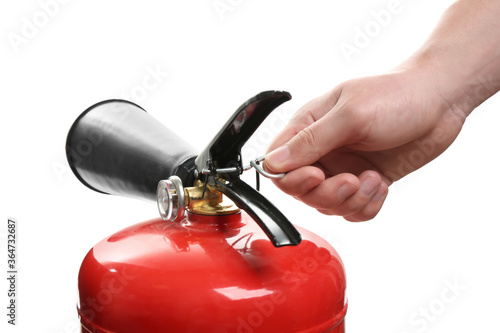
<point x="276" y="226"/>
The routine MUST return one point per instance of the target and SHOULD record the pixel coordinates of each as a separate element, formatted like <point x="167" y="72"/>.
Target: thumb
<point x="330" y="132"/>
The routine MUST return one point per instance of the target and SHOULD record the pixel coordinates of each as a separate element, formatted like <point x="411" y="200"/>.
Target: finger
<point x="332" y="192"/>
<point x="372" y="208"/>
<point x="370" y="183"/>
<point x="399" y="161"/>
<point x="305" y="116"/>
<point x="333" y="130"/>
<point x="300" y="181"/>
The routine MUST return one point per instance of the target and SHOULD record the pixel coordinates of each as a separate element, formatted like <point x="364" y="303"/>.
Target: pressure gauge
<point x="170" y="198"/>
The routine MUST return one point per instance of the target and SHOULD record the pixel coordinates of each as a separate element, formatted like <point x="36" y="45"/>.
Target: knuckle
<point x="306" y="116"/>
<point x="308" y="137"/>
<point x="309" y="116"/>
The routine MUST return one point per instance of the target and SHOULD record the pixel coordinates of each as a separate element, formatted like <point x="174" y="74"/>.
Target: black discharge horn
<point x="116" y="147"/>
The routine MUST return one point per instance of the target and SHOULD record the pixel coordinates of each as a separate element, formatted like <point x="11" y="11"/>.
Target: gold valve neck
<point x="204" y="199"/>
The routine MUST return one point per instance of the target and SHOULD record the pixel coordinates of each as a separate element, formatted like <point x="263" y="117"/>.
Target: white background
<point x="439" y="224"/>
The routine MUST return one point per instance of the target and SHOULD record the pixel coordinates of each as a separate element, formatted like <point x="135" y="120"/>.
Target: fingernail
<point x="278" y="157"/>
<point x="345" y="191"/>
<point x="380" y="194"/>
<point x="369" y="186"/>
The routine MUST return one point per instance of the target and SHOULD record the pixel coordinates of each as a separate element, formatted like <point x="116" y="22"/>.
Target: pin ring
<point x="263" y="172"/>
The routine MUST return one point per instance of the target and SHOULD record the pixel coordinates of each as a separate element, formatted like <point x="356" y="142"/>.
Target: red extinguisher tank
<point x="210" y="274"/>
<point x="209" y="264"/>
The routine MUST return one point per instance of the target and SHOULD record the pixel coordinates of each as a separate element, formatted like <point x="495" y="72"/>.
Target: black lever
<point x="222" y="157"/>
<point x="225" y="148"/>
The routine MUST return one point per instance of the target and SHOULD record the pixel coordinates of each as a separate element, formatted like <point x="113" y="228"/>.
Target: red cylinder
<point x="210" y="274"/>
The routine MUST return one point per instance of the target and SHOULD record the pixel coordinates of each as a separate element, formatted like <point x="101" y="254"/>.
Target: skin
<point x="345" y="148"/>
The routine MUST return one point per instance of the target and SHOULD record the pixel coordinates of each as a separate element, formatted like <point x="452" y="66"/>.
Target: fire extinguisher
<point x="220" y="258"/>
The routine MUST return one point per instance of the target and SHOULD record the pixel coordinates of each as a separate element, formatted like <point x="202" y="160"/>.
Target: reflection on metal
<point x="206" y="200"/>
<point x="236" y="293"/>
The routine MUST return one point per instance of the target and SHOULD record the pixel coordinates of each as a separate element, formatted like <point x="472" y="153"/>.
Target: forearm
<point x="463" y="53"/>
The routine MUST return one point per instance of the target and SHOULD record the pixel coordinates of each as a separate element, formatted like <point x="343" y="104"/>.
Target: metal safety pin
<point x="259" y="169"/>
<point x="254" y="164"/>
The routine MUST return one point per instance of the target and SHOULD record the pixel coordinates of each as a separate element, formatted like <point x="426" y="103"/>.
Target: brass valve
<point x="203" y="199"/>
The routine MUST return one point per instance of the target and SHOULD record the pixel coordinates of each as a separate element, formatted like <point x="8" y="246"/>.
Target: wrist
<point x="461" y="58"/>
<point x="463" y="78"/>
<point x="442" y="88"/>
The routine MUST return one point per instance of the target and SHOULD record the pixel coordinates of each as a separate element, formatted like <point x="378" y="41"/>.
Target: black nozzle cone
<point x="116" y="147"/>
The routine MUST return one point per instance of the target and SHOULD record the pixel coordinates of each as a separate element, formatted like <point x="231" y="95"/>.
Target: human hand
<point x="343" y="149"/>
